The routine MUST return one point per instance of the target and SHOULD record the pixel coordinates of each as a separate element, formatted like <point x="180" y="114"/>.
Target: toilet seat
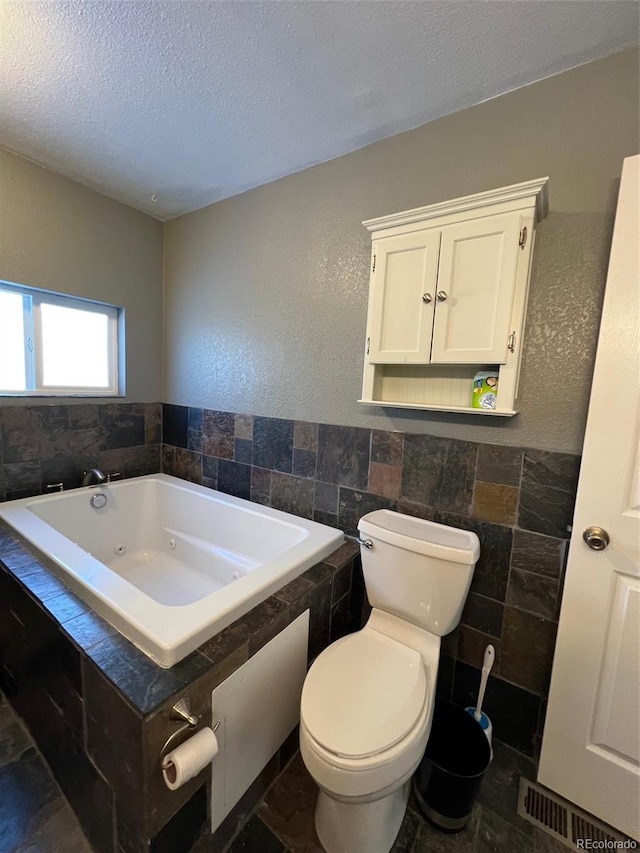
<point x="363" y="695"/>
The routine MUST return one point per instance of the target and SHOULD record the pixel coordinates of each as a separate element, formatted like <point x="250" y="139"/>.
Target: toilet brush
<point x="477" y="712"/>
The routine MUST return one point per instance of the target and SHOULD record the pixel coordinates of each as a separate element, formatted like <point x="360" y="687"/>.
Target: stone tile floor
<point x="35" y="817"/>
<point x="289" y="804"/>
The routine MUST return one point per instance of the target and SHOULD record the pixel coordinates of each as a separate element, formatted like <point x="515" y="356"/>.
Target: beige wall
<point x="266" y="293"/>
<point x="61" y="236"/>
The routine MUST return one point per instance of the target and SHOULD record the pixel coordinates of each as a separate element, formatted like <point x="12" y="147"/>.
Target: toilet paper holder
<point x="181" y="711"/>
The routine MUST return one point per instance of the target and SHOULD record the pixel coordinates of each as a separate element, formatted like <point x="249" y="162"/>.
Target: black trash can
<point x="455" y="760"/>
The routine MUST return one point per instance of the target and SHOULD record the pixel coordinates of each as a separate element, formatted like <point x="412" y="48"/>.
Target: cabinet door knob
<point x="442" y="295"/>
<point x="426" y="297"/>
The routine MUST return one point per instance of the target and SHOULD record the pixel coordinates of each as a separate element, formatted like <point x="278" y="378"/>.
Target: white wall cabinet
<point x="447" y="298"/>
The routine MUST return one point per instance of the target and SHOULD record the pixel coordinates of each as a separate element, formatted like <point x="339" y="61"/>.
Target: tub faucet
<point x="94" y="477"/>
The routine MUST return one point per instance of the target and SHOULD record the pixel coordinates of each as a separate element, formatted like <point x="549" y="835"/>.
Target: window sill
<point x="57" y="395"/>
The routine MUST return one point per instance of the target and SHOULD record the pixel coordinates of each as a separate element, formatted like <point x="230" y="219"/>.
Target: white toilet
<point x="367" y="701"/>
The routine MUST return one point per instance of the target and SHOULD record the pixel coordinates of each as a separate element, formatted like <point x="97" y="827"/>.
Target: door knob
<point x="596" y="538"/>
<point x="426" y="297"/>
<point x="442" y="295"/>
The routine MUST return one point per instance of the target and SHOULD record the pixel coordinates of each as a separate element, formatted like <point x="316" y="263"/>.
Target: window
<point x="57" y="345"/>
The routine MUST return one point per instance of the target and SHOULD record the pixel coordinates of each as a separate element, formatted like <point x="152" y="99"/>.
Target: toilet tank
<point x="417" y="570"/>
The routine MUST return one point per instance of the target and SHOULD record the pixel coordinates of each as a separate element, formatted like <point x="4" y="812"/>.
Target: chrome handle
<point x="112" y="475"/>
<point x="596" y="538"/>
<point x="442" y="295"/>
<point x="59" y="487"/>
<point x="366" y="543"/>
<point x="426" y="297"/>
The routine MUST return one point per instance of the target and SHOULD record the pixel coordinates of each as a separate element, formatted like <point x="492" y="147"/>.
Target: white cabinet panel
<point x="476" y="281"/>
<point x="402" y="298"/>
<point x="257" y="707"/>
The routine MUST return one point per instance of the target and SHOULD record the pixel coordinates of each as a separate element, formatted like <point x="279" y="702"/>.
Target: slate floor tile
<point x="408" y="832"/>
<point x="545" y="843"/>
<point x="289" y="805"/>
<point x="14" y="739"/>
<point x="433" y="840"/>
<point x="27" y="792"/>
<point x="58" y="831"/>
<point x="256" y="836"/>
<point x="34" y="815"/>
<point x="289" y="809"/>
<point x="495" y="833"/>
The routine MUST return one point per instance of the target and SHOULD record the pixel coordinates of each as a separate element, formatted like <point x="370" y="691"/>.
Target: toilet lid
<point x="363" y="694"/>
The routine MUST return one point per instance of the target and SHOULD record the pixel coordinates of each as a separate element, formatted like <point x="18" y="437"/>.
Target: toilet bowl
<point x="368" y="699"/>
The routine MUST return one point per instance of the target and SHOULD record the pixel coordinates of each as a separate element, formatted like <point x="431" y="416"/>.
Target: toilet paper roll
<point x="187" y="760"/>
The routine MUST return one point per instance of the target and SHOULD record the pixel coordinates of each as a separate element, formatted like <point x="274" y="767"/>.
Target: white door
<point x="591" y="743"/>
<point x="402" y="298"/>
<point x="476" y="283"/>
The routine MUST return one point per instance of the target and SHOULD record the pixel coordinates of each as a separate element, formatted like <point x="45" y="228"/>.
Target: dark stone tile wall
<point x="519" y="502"/>
<point x="99" y="709"/>
<point x="44" y="445"/>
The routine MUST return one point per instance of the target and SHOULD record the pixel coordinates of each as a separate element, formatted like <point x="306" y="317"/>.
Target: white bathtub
<point x="166" y="562"/>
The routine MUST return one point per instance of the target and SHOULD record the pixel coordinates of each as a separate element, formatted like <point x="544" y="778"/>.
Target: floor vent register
<point x="564" y="821"/>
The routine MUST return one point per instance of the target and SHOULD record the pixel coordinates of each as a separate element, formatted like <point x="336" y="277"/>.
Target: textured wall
<point x="266" y="293"/>
<point x="61" y="236"/>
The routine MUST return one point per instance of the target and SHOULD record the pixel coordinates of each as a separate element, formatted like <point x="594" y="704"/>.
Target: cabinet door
<point x="476" y="282"/>
<point x="402" y="298"/>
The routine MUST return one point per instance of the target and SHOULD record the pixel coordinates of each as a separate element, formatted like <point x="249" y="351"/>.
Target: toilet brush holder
<point x="450" y="774"/>
<point x="484" y="722"/>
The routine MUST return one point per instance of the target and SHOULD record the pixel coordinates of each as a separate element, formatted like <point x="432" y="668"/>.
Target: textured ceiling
<point x="190" y="102"/>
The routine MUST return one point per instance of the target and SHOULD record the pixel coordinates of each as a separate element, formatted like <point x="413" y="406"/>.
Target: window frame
<point x="32" y="300"/>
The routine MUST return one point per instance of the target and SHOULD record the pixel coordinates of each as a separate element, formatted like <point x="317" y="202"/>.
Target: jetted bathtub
<point x="166" y="562"/>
